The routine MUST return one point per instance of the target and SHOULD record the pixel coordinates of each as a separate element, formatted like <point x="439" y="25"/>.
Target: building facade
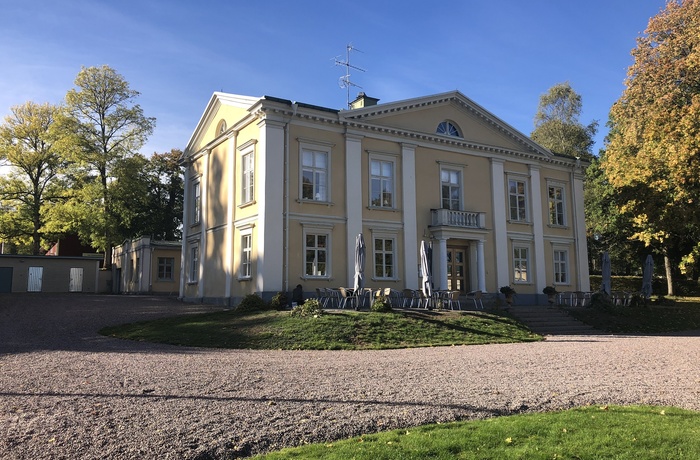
<point x="277" y="191"/>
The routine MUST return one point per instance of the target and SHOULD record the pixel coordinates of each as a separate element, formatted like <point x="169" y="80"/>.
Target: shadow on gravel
<point x="70" y="322"/>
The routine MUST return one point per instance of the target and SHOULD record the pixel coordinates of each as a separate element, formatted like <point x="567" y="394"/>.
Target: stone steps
<point x="546" y="320"/>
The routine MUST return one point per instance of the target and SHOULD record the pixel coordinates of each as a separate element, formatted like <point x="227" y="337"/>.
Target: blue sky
<point x="503" y="54"/>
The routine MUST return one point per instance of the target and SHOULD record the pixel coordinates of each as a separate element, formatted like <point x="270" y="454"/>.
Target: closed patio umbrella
<point x="360" y="255"/>
<point x="607" y="276"/>
<point x="426" y="284"/>
<point x="647" y="275"/>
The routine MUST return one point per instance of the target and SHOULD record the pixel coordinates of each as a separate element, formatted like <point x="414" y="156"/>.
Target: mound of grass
<point x="348" y="330"/>
<point x="593" y="432"/>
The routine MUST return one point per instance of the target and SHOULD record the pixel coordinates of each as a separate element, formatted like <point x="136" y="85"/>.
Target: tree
<point x="27" y="144"/>
<point x="166" y="195"/>
<point x="653" y="149"/>
<point x="107" y="127"/>
<point x="557" y="125"/>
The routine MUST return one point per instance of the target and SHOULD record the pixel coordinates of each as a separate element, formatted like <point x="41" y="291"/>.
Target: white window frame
<point x="448" y="128"/>
<point x="247" y="153"/>
<point x="561" y="267"/>
<point x="460" y="185"/>
<point x="553" y="202"/>
<point x="245" y="271"/>
<point x="517" y="254"/>
<point x="316" y="232"/>
<point x="166" y="265"/>
<point x="320" y="186"/>
<point x="391" y="161"/>
<point x="526" y="198"/>
<point x="193" y="269"/>
<point x="306" y="145"/>
<point x="196" y="202"/>
<point x="383" y="253"/>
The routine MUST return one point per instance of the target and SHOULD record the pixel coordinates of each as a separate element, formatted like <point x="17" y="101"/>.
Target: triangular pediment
<point x="224" y="108"/>
<point x="422" y="116"/>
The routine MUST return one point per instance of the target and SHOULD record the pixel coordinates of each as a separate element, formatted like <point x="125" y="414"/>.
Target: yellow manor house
<point x="276" y="193"/>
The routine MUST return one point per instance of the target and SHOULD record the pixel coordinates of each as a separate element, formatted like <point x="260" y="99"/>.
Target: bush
<point x="311" y="307"/>
<point x="280" y="301"/>
<point x="380" y="305"/>
<point x="601" y="301"/>
<point x="251" y="302"/>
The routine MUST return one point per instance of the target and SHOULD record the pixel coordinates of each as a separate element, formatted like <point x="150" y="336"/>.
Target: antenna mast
<point x="344" y="81"/>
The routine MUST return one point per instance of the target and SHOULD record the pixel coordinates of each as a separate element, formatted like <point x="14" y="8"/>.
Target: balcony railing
<point x="464" y="219"/>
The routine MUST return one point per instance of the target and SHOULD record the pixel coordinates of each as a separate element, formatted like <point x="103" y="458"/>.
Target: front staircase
<point x="545" y="320"/>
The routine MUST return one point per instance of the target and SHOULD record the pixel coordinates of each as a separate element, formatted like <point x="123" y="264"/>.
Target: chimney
<point x="363" y="100"/>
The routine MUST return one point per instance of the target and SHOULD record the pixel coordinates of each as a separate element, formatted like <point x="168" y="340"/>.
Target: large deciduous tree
<point x="557" y="124"/>
<point x="27" y="145"/>
<point x="108" y="126"/>
<point x="653" y="150"/>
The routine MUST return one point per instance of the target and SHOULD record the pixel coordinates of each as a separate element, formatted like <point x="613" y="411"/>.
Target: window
<point x="221" y="128"/>
<point x="448" y="128"/>
<point x="196" y="203"/>
<point x="382" y="183"/>
<point x="520" y="265"/>
<point x="314" y="175"/>
<point x="165" y="268"/>
<point x="517" y="193"/>
<point x="246" y="247"/>
<point x="248" y="178"/>
<point x="561" y="267"/>
<point x="384" y="258"/>
<point x="556" y="205"/>
<point x="194" y="264"/>
<point x="316" y="254"/>
<point x="451" y="189"/>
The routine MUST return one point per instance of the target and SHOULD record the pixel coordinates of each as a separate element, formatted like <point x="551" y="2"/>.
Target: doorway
<point x="458" y="268"/>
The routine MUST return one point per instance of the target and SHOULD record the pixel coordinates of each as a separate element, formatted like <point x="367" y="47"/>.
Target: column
<point x="230" y="216"/>
<point x="440" y="272"/>
<point x="410" y="221"/>
<point x="579" y="226"/>
<point x="480" y="266"/>
<point x="354" y="186"/>
<point x="204" y="190"/>
<point x="185" y="230"/>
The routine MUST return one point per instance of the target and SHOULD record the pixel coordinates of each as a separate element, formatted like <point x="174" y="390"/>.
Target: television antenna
<point x="344" y="81"/>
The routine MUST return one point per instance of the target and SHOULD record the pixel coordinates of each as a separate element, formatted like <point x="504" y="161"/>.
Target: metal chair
<point x="322" y="297"/>
<point x="475" y="296"/>
<point x="345" y="297"/>
<point x="452" y="298"/>
<point x="409" y="295"/>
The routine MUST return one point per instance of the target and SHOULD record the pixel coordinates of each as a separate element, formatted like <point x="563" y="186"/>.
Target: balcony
<point x="462" y="219"/>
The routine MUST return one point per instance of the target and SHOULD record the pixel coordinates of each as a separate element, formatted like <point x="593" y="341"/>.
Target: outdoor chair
<point x="322" y="297"/>
<point x="393" y="296"/>
<point x="475" y="296"/>
<point x="345" y="297"/>
<point x="409" y="295"/>
<point x="452" y="299"/>
<point x="333" y="297"/>
<point x="423" y="300"/>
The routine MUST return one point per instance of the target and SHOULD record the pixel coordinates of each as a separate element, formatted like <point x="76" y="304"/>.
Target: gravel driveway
<point x="67" y="392"/>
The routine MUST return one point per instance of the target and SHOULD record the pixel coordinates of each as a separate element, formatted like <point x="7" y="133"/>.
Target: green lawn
<point x="584" y="433"/>
<point x="336" y="330"/>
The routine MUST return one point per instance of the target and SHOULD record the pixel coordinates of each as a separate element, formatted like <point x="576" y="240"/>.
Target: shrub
<point x="280" y="301"/>
<point x="507" y="290"/>
<point x="601" y="301"/>
<point x="251" y="302"/>
<point x="380" y="305"/>
<point x="311" y="307"/>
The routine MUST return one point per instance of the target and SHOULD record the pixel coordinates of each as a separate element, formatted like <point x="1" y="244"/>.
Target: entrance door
<point x="35" y="277"/>
<point x="457" y="268"/>
<point x="76" y="280"/>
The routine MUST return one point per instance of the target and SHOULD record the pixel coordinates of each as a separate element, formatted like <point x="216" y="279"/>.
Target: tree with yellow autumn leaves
<point x="652" y="155"/>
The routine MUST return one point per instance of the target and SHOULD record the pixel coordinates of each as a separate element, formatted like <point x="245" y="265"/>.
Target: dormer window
<point x="448" y="128"/>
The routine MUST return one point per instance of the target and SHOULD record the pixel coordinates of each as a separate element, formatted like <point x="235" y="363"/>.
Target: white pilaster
<point x="410" y="221"/>
<point x="441" y="270"/>
<point x="204" y="222"/>
<point x="500" y="230"/>
<point x="353" y="199"/>
<point x="538" y="218"/>
<point x="579" y="226"/>
<point x="230" y="216"/>
<point x="269" y="195"/>
<point x="185" y="230"/>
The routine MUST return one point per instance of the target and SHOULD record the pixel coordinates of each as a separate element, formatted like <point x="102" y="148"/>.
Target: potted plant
<point x="509" y="292"/>
<point x="551" y="293"/>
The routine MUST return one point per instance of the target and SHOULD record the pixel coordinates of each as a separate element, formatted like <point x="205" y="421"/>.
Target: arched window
<point x="221" y="128"/>
<point x="448" y="129"/>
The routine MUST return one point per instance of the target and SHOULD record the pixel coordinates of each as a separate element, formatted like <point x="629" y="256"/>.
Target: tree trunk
<point x="669" y="274"/>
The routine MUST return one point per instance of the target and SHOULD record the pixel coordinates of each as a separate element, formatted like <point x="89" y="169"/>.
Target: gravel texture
<point x="66" y="392"/>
